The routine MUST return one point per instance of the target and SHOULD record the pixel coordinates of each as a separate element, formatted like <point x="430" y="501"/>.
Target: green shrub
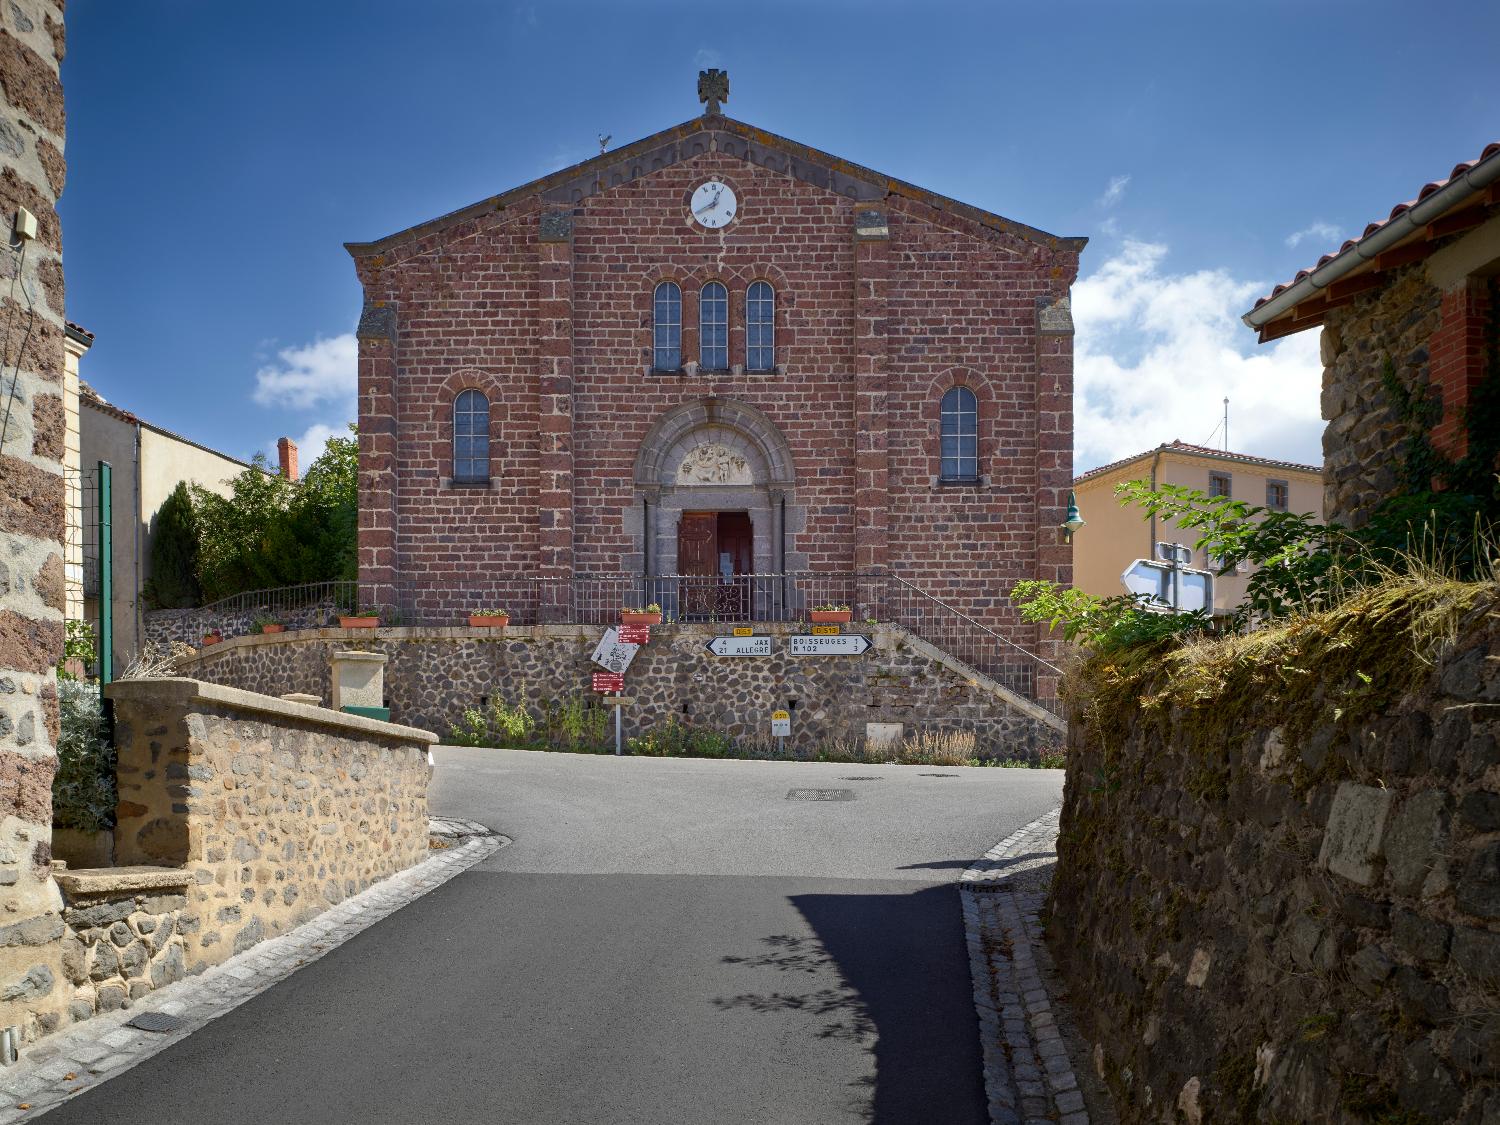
<point x="496" y="726"/>
<point x="78" y="644"/>
<point x="83" y="790"/>
<point x="174" y="554"/>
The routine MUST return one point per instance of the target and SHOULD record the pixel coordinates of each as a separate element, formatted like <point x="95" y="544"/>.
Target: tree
<point x="174" y="554"/>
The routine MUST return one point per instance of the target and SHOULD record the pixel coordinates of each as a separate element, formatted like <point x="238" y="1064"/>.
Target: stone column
<point x="555" y="401"/>
<point x="1054" y="460"/>
<point x="33" y="506"/>
<point x="378" y="452"/>
<point x="872" y="272"/>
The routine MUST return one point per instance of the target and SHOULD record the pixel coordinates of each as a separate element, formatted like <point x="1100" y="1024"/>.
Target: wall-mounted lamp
<point x="1074" y="520"/>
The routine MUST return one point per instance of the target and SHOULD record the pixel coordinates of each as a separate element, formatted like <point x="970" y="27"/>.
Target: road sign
<point x="743" y="631"/>
<point x="740" y="646"/>
<point x="609" y="681"/>
<point x="781" y="724"/>
<point x="849" y="644"/>
<point x="1174" y="553"/>
<point x="826" y="630"/>
<point x="611" y="654"/>
<point x="1170" y="587"/>
<point x="634" y="634"/>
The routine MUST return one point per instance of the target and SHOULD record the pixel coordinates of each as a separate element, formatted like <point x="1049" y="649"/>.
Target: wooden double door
<point x="712" y="549"/>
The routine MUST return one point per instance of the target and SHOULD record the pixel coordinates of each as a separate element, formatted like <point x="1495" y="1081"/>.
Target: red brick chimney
<point x="287" y="449"/>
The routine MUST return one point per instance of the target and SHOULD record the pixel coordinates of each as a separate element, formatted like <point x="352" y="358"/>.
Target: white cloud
<point x="1157" y="352"/>
<point x="707" y="58"/>
<point x="1323" y="232"/>
<point x="1115" y="191"/>
<point x="302" y="378"/>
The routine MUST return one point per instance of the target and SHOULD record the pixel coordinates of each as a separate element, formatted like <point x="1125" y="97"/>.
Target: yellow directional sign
<point x="825" y="630"/>
<point x="743" y="631"/>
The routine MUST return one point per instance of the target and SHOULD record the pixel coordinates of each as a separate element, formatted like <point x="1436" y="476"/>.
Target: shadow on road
<point x="988" y="864"/>
<point x="902" y="991"/>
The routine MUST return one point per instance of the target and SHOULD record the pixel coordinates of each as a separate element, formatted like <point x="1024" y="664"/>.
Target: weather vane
<point x="713" y="88"/>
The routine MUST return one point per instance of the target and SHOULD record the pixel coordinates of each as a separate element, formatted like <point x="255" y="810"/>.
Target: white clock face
<point x="714" y="204"/>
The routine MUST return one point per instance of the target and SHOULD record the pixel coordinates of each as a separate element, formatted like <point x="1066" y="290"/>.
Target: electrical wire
<point x="10" y="323"/>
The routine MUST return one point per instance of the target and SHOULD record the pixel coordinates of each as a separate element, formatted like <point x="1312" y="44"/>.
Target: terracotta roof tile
<point x="1200" y="451"/>
<point x="1396" y="212"/>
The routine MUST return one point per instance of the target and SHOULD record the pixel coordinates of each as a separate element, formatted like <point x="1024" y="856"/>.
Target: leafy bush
<point x="78" y="644"/>
<point x="678" y="739"/>
<point x="577" y="724"/>
<point x="83" y="790"/>
<point x="1102" y="624"/>
<point x="174" y="554"/>
<point x="498" y="726"/>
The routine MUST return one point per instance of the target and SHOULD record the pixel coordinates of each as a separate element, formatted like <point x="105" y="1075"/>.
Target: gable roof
<point x="1203" y="451"/>
<point x="570" y="186"/>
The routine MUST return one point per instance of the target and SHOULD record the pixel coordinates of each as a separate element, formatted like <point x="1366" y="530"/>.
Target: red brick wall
<point x="870" y="333"/>
<point x="1458" y="351"/>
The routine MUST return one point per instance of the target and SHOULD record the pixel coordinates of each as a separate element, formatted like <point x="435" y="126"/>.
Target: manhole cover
<point x="157" y="1021"/>
<point x="859" y="779"/>
<point x="820" y="795"/>
<point x="938" y="775"/>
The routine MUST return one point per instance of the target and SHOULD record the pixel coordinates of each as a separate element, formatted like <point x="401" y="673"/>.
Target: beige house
<point x="1114" y="536"/>
<point x="76" y="342"/>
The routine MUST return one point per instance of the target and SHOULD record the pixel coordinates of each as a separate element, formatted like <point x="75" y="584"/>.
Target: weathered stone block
<point x="1476" y="1044"/>
<point x="33" y="931"/>
<point x="1356" y="822"/>
<point x="36" y="982"/>
<point x="106" y="962"/>
<point x="1416" y="843"/>
<point x="1423" y="939"/>
<point x="1477" y="952"/>
<point x="1479" y="888"/>
<point x="112" y="997"/>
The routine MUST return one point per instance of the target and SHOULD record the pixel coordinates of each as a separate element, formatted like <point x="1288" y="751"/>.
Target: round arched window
<point x="960" y="435"/>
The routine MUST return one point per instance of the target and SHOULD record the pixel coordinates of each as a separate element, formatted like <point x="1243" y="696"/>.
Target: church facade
<point x="713" y="352"/>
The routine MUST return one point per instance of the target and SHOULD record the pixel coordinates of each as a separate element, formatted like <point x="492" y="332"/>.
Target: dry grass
<point x="156" y="663"/>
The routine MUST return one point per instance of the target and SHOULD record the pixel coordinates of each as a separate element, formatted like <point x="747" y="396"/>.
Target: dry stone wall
<point x="1291" y="923"/>
<point x="277" y="809"/>
<point x="166" y="627"/>
<point x="434" y="674"/>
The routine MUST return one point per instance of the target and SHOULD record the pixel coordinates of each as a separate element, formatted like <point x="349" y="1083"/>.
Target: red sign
<point x="634" y="634"/>
<point x="609" y="681"/>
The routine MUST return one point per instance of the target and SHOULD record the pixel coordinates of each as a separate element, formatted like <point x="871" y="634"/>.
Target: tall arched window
<point x="666" y="344"/>
<point x="713" y="327"/>
<point x="760" y="327"/>
<point x="960" y="435"/>
<point x="471" y="437"/>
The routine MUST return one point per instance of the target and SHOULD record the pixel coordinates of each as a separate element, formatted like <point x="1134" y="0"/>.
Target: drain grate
<point x="870" y="778"/>
<point x="937" y="775"/>
<point x="157" y="1021"/>
<point x="820" y="795"/>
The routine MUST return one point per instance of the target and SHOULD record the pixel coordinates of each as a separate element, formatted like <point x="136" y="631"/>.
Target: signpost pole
<point x="618" y="744"/>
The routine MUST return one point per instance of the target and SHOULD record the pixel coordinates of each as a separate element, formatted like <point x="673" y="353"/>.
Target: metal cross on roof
<point x="713" y="88"/>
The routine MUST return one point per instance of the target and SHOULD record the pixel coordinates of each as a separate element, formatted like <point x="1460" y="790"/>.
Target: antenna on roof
<point x="1226" y="423"/>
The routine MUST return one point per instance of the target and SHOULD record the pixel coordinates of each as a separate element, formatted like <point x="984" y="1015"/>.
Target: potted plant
<point x="212" y="638"/>
<point x="267" y="625"/>
<point x="651" y="615"/>
<point x="831" y="614"/>
<point x="490" y="619"/>
<point x="359" y="619"/>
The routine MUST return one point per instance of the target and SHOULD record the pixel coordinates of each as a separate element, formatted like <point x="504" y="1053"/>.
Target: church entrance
<point x="712" y="549"/>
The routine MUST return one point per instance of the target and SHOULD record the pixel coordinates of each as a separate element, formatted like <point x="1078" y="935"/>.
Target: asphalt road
<point x="665" y="941"/>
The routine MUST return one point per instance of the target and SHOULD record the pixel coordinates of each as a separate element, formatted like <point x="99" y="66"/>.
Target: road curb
<point x="64" y="1065"/>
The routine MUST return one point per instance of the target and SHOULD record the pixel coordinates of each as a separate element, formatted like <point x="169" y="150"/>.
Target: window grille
<point x="760" y="327"/>
<point x="960" y="435"/>
<point x="713" y="327"/>
<point x="667" y="327"/>
<point x="471" y="437"/>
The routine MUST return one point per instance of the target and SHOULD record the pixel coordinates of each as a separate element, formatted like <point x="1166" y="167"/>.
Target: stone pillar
<point x="378" y="452"/>
<point x="359" y="683"/>
<point x="1458" y="359"/>
<point x="33" y="514"/>
<point x="1054" y="461"/>
<point x="555" y="402"/>
<point x="872" y="272"/>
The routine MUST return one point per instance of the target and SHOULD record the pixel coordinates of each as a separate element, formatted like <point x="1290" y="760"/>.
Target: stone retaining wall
<point x="1291" y="917"/>
<point x="164" y="627"/>
<point x="278" y="809"/>
<point x="433" y="675"/>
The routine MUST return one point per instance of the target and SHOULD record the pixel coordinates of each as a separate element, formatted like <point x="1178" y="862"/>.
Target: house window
<point x="960" y="435"/>
<point x="760" y="327"/>
<point x="471" y="437"/>
<point x="666" y="349"/>
<point x="713" y="327"/>
<point x="1218" y="484"/>
<point x="1277" y="497"/>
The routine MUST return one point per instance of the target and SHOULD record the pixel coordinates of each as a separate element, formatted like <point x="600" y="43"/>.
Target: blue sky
<point x="220" y="154"/>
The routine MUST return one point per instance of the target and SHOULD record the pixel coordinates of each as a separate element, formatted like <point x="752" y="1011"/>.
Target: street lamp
<point x="1074" y="520"/>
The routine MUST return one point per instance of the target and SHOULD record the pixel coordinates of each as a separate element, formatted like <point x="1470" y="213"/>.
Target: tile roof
<point x="1397" y="211"/>
<point x="1198" y="451"/>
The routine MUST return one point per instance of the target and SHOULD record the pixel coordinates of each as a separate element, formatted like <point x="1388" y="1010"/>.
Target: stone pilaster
<point x="555" y="393"/>
<point x="1054" y="459"/>
<point x="872" y="274"/>
<point x="378" y="442"/>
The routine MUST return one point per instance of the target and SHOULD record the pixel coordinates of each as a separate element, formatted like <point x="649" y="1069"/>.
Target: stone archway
<point x="715" y="454"/>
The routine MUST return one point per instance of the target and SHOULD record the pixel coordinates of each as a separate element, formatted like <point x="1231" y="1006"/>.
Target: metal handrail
<point x="961" y="615"/>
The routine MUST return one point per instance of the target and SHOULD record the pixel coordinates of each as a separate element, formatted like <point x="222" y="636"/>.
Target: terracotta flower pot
<point x="488" y="620"/>
<point x="629" y="618"/>
<point x="211" y="639"/>
<point x="358" y="622"/>
<point x="273" y="628"/>
<point x="832" y="616"/>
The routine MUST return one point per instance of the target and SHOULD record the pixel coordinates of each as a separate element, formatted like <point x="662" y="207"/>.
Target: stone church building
<point x="714" y="352"/>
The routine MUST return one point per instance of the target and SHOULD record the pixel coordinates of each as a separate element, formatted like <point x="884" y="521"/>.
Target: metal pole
<point x="619" y="744"/>
<point x="106" y="576"/>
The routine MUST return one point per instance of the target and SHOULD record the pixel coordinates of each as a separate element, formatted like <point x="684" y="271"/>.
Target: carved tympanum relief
<point x="712" y="463"/>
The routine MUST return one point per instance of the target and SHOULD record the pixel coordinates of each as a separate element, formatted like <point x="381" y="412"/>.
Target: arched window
<point x="960" y="435"/>
<point x="666" y="347"/>
<point x="471" y="437"/>
<point x="760" y="327"/>
<point x="713" y="327"/>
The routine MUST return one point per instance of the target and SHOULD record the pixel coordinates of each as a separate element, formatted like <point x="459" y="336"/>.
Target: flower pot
<point x="211" y="639"/>
<point x="358" y="622"/>
<point x="832" y="616"/>
<point x="489" y="620"/>
<point x="273" y="628"/>
<point x="629" y="618"/>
